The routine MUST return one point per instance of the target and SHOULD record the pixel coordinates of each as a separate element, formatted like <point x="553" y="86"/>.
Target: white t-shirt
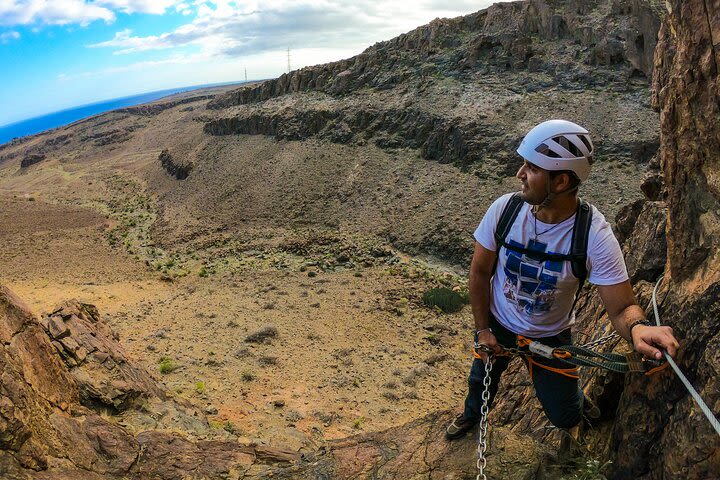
<point x="534" y="298"/>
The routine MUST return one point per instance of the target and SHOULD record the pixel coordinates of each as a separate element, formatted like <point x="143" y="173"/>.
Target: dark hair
<point x="574" y="180"/>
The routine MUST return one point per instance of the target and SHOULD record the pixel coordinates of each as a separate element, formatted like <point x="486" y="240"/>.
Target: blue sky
<point x="57" y="54"/>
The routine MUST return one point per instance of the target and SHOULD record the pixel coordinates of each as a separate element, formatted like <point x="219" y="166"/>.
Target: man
<point x="515" y="291"/>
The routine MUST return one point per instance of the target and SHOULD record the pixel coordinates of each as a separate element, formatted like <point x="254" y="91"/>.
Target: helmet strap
<point x="550" y="195"/>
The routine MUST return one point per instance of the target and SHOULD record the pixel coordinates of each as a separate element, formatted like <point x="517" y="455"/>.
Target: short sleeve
<point x="485" y="232"/>
<point x="607" y="265"/>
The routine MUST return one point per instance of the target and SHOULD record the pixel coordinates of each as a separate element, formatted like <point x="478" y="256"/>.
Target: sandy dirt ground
<point x="347" y="351"/>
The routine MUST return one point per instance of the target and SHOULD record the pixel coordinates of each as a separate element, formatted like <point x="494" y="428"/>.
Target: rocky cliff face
<point x="504" y="37"/>
<point x="677" y="441"/>
<point x="429" y="83"/>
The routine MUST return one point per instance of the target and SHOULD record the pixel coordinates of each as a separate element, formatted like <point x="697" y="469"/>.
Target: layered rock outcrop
<point x="179" y="170"/>
<point x="506" y="36"/>
<point x="151" y="109"/>
<point x="61" y="377"/>
<point x="32" y="159"/>
<point x="455" y="84"/>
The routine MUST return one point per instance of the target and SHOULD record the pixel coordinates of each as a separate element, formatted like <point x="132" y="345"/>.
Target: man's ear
<point x="561" y="182"/>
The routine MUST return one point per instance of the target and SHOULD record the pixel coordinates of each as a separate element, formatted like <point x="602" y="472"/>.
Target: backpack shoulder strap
<point x="507" y="218"/>
<point x="580" y="238"/>
<point x="579" y="245"/>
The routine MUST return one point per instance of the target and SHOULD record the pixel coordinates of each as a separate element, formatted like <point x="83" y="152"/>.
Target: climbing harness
<point x="576" y="356"/>
<point x="695" y="395"/>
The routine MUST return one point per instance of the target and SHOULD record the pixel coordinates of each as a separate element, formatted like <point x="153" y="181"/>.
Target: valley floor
<point x="345" y="351"/>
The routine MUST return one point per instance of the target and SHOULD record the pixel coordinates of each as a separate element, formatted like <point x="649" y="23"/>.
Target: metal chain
<point x="601" y="341"/>
<point x="503" y="351"/>
<point x="482" y="426"/>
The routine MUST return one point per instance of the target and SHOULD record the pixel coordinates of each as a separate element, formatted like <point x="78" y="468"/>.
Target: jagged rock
<point x="685" y="90"/>
<point x="660" y="431"/>
<point x="56" y="327"/>
<point x="116" y="384"/>
<point x="645" y="250"/>
<point x="46" y="433"/>
<point x="176" y="169"/>
<point x="32" y="159"/>
<point x="652" y="186"/>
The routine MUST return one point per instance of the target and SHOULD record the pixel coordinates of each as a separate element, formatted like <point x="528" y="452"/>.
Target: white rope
<point x="706" y="410"/>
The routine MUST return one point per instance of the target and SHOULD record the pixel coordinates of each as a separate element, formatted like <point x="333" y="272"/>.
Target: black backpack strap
<point x="507" y="218"/>
<point x="579" y="245"/>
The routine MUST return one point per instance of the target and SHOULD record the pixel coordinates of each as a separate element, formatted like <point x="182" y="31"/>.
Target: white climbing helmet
<point x="559" y="145"/>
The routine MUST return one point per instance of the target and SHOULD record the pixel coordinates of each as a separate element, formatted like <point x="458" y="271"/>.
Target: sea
<point x="64" y="117"/>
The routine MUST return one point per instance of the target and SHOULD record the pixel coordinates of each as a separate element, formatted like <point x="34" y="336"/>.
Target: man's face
<point x="534" y="183"/>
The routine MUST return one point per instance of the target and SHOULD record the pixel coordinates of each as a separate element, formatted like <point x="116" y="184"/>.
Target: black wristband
<point x="634" y="324"/>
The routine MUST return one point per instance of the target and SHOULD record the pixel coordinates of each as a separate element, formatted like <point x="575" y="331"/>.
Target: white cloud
<point x="134" y="67"/>
<point x="183" y="8"/>
<point x="195" y="69"/>
<point x="157" y="7"/>
<point x="52" y="12"/>
<point x="6" y="37"/>
<point x="230" y="28"/>
<point x="80" y="12"/>
<point x="129" y="44"/>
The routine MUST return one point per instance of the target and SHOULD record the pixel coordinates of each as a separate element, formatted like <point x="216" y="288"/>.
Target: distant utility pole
<point x="288" y="53"/>
<point x="245" y="74"/>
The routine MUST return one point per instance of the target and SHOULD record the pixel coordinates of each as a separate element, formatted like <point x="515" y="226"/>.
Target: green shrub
<point x="445" y="299"/>
<point x="465" y="295"/>
<point x="167" y="365"/>
<point x="358" y="423"/>
<point x="200" y="387"/>
<point x="230" y="427"/>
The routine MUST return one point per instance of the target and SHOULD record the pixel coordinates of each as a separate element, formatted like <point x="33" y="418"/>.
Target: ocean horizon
<point x="32" y="126"/>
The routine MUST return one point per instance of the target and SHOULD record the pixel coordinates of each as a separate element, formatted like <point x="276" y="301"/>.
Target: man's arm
<point x="623" y="310"/>
<point x="481" y="271"/>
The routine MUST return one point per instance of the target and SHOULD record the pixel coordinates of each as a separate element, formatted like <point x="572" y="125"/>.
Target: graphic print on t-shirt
<point x="530" y="284"/>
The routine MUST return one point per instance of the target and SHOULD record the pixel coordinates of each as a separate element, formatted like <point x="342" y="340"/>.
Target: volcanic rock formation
<point x="527" y="47"/>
